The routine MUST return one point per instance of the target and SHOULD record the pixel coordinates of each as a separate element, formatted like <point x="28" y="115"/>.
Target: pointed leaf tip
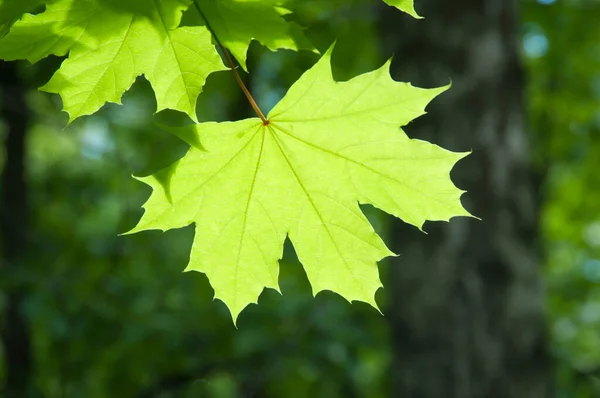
<point x="404" y="5"/>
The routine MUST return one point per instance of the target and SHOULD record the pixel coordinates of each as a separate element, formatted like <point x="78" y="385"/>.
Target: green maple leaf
<point x="237" y="22"/>
<point x="110" y="46"/>
<point x="327" y="147"/>
<point x="404" y="5"/>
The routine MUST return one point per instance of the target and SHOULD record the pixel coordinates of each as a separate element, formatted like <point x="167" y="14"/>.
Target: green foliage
<point x="114" y="316"/>
<point x="110" y="47"/>
<point x="110" y="43"/>
<point x="302" y="172"/>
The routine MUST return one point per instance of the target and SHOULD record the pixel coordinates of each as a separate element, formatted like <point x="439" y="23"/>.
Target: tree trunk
<point x="13" y="220"/>
<point x="467" y="299"/>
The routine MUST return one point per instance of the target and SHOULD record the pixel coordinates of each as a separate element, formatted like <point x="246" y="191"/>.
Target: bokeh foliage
<point x="562" y="50"/>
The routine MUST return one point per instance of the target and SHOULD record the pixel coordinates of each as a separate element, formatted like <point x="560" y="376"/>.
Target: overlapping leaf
<point x="109" y="46"/>
<point x="237" y="22"/>
<point x="327" y="147"/>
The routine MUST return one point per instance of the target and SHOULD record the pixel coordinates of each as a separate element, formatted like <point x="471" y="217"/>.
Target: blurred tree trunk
<point x="13" y="227"/>
<point x="467" y="299"/>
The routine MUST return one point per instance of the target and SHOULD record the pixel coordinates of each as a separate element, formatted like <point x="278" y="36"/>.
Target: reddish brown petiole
<point x="233" y="68"/>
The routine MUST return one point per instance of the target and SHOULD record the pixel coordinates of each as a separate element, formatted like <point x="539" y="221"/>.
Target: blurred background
<point x="504" y="307"/>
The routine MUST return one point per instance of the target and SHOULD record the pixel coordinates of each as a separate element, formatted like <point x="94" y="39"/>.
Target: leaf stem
<point x="233" y="68"/>
<point x="243" y="87"/>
